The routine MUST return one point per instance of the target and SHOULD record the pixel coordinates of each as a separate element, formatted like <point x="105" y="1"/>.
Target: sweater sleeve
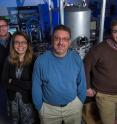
<point x="81" y="82"/>
<point x="5" y="77"/>
<point x="37" y="85"/>
<point x="88" y="64"/>
<point x="24" y="85"/>
<point x="5" y="73"/>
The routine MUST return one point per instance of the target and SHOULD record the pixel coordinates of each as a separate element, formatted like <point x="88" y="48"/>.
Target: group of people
<point x="51" y="88"/>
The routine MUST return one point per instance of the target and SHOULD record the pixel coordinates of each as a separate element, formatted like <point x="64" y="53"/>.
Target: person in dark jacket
<point x="5" y="38"/>
<point x="17" y="76"/>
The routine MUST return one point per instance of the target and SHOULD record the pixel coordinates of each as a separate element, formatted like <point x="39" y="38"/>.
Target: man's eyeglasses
<point x="3" y="26"/>
<point x="114" y="31"/>
<point x="64" y="39"/>
<point x="17" y="43"/>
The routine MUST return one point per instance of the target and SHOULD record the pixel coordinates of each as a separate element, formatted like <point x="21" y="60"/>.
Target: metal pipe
<point x="61" y="5"/>
<point x="50" y="14"/>
<point x="101" y="30"/>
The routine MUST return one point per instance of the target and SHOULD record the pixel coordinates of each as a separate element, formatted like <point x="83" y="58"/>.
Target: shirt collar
<point x="112" y="44"/>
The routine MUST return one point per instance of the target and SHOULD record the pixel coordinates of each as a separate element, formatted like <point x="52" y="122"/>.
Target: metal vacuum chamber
<point x="78" y="20"/>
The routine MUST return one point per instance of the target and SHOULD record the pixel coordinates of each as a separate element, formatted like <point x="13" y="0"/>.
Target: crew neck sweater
<point x="58" y="80"/>
<point x="101" y="68"/>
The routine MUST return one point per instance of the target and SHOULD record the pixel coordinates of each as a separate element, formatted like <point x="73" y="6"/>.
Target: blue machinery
<point x="77" y="17"/>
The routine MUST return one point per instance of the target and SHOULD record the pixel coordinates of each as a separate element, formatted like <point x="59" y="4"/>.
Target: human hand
<point x="91" y="92"/>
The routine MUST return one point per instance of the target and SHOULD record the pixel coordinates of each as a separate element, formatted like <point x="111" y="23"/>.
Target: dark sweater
<point x="4" y="51"/>
<point x="3" y="54"/>
<point x="22" y="85"/>
<point x="101" y="68"/>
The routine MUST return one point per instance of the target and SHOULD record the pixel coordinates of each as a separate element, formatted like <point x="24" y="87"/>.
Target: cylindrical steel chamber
<point x="78" y="20"/>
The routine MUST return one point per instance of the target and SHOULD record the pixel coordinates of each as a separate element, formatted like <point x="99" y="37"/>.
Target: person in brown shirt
<point x="101" y="75"/>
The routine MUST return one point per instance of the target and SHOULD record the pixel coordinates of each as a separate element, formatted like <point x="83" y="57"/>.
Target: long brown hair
<point x="14" y="57"/>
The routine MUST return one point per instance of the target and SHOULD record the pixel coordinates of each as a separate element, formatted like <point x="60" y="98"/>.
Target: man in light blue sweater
<point x="59" y="86"/>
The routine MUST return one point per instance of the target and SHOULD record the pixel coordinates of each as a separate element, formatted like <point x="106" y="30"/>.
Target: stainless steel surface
<point x="78" y="20"/>
<point x="61" y="2"/>
<point x="102" y="19"/>
<point x="50" y="14"/>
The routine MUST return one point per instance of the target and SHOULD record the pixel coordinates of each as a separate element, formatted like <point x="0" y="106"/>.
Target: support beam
<point x="61" y="5"/>
<point x="50" y="14"/>
<point x="101" y="30"/>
